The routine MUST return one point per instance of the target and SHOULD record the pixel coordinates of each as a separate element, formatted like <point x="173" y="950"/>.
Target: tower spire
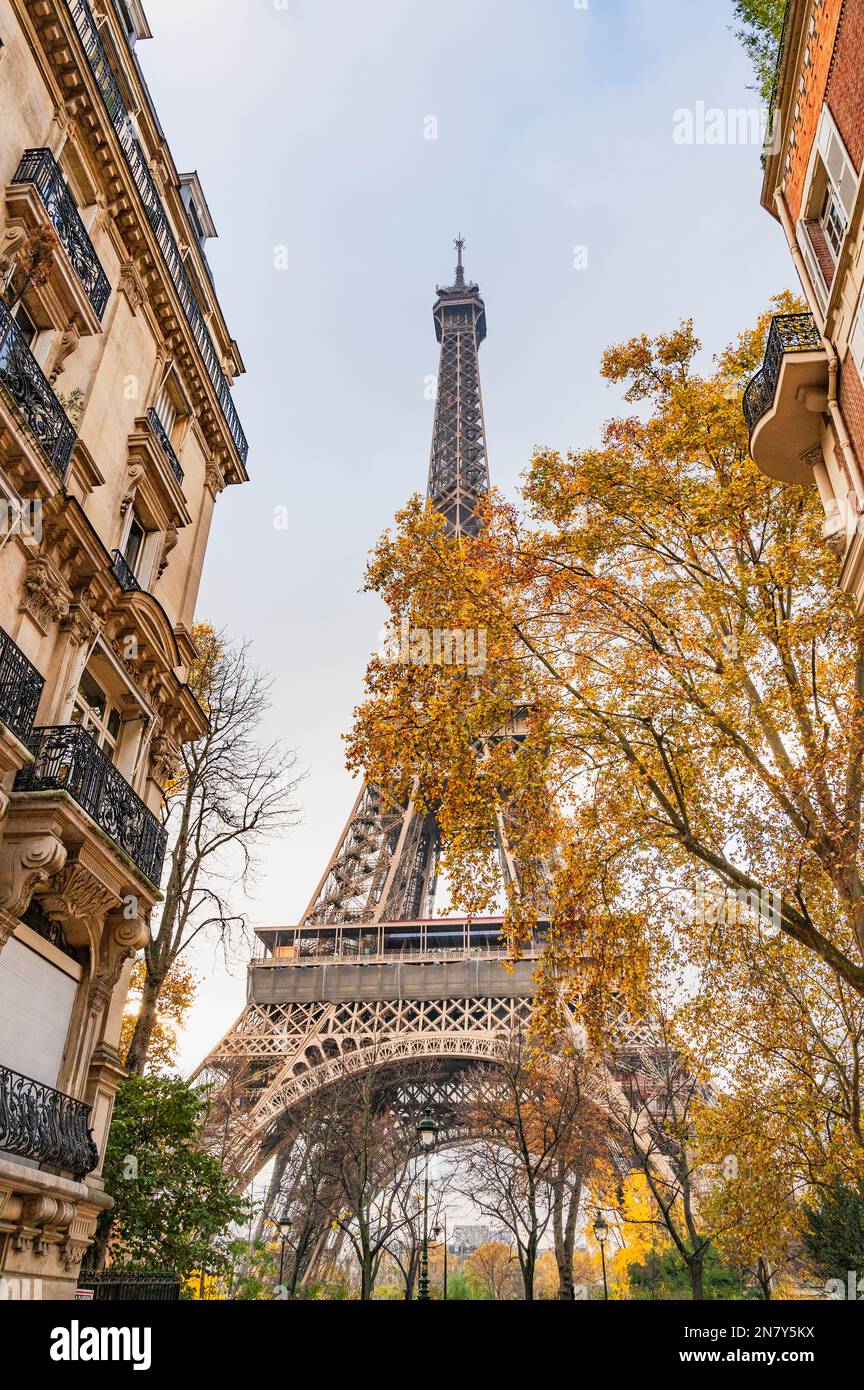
<point x="459" y="243"/>
<point x="458" y="471"/>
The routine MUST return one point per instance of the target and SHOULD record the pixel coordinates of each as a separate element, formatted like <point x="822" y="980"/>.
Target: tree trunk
<point x="764" y="1275"/>
<point x="136" y="1058"/>
<point x="564" y="1218"/>
<point x="695" y="1268"/>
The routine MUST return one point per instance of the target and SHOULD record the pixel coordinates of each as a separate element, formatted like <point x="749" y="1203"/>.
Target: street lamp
<point x="427" y="1133"/>
<point x="601" y="1232"/>
<point x="284" y="1227"/>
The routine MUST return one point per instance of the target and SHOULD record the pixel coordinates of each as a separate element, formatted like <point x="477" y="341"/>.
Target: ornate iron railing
<point x="46" y="1125"/>
<point x="130" y="1285"/>
<point x="20" y="688"/>
<point x="67" y="758"/>
<point x="40" y="168"/>
<point x="167" y="447"/>
<point x="123" y="572"/>
<point x="33" y="395"/>
<point x="149" y="194"/>
<point x="788" y="333"/>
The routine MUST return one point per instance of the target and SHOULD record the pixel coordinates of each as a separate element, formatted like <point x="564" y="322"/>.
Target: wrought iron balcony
<point x="67" y="758"/>
<point x="167" y="448"/>
<point x="33" y="395"/>
<point x="43" y="1124"/>
<point x="107" y="83"/>
<point x="41" y="169"/>
<point x="20" y="688"/>
<point x="123" y="572"/>
<point x="788" y="333"/>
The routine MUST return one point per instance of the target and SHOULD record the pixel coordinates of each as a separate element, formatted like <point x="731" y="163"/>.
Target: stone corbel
<point x="79" y="902"/>
<point x="43" y="1216"/>
<point x="24" y="864"/>
<point x="168" y="545"/>
<point x="130" y="284"/>
<point x="81" y="624"/>
<point x="122" y="937"/>
<point x="68" y="342"/>
<point x="134" y="475"/>
<point x="10" y="245"/>
<point x="165" y="759"/>
<point x="214" y="479"/>
<point x="45" y="596"/>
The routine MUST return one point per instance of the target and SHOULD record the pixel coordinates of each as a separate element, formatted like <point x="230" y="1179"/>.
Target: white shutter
<point x="840" y="168"/>
<point x="36" y="1000"/>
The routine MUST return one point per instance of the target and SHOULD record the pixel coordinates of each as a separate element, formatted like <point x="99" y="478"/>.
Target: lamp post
<point x="601" y="1231"/>
<point x="284" y="1225"/>
<point x="427" y="1133"/>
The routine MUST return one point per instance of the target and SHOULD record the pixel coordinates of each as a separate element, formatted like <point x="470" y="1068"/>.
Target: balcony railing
<point x="788" y="333"/>
<point x="40" y="168"/>
<point x="155" y="213"/>
<point x="20" y="688"/>
<point x="167" y="447"/>
<point x="123" y="572"/>
<point x="33" y="395"/>
<point x="67" y="758"/>
<point x="46" y="1125"/>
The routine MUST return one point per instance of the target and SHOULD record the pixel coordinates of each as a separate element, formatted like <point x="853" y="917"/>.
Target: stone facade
<point x="117" y="434"/>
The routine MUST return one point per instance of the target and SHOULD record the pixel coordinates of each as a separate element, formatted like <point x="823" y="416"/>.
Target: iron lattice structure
<point x="369" y="979"/>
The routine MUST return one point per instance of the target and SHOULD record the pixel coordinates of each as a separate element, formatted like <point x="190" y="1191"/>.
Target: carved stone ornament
<point x="168" y="545"/>
<point x="130" y="284"/>
<point x="10" y="244"/>
<point x="24" y="864"/>
<point x="164" y="759"/>
<point x="123" y="937"/>
<point x="69" y="340"/>
<point x="134" y="476"/>
<point x="79" y="901"/>
<point x="44" y="597"/>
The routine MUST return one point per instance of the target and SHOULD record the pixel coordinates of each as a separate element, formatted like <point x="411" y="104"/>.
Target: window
<point x="166" y="409"/>
<point x="94" y="711"/>
<point x="134" y="544"/>
<point x="833" y="220"/>
<point x="26" y="326"/>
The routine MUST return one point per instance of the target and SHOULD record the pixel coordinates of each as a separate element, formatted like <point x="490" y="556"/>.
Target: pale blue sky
<point x="306" y="124"/>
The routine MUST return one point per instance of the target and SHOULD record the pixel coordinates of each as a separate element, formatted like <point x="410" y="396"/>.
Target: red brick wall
<point x="845" y="93"/>
<point x="810" y="101"/>
<point x="851" y="398"/>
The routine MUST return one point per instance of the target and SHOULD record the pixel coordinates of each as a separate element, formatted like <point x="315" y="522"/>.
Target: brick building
<point x="805" y="408"/>
<point x="117" y="434"/>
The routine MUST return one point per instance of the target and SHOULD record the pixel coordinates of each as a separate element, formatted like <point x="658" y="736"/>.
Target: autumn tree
<point x="370" y="1163"/>
<point x="786" y="1034"/>
<point x="175" y="1000"/>
<point x="652" y="1092"/>
<point x="230" y="795"/>
<point x="495" y="1265"/>
<point x="524" y="1116"/>
<point x="669" y="621"/>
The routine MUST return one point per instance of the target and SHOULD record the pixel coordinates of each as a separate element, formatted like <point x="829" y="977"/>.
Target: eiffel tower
<point x="369" y="977"/>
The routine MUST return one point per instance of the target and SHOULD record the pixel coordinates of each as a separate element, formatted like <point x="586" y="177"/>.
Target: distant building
<point x="464" y="1240"/>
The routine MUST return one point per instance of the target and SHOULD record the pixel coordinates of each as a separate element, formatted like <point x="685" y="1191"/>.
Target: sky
<point x="342" y="145"/>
